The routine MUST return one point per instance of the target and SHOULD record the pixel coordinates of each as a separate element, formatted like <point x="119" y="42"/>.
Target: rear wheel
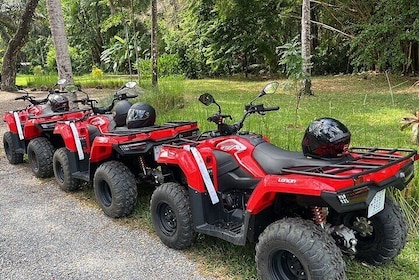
<point x="115" y="189"/>
<point x="9" y="148"/>
<point x="62" y="171"/>
<point x="380" y="237"/>
<point x="40" y="153"/>
<point x="294" y="248"/>
<point x="172" y="216"/>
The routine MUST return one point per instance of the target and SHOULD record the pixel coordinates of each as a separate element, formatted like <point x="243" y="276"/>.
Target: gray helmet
<point x="120" y="111"/>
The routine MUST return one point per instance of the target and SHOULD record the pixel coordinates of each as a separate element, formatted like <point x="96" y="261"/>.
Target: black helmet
<point x="326" y="138"/>
<point x="140" y="115"/>
<point x="59" y="103"/>
<point x="120" y="111"/>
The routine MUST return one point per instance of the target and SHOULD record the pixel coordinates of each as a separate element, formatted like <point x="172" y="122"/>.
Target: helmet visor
<point x="137" y="114"/>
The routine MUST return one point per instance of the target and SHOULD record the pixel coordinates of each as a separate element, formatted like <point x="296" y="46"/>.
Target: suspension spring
<point x="142" y="164"/>
<point x="318" y="216"/>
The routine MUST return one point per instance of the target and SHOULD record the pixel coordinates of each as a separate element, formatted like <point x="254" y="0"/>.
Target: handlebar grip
<point x="274" y="108"/>
<point x="214" y="118"/>
<point x="99" y="110"/>
<point x="132" y="96"/>
<point x="20" y="98"/>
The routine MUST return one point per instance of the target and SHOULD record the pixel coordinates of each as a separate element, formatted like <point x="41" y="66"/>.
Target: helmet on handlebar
<point x="120" y="111"/>
<point x="59" y="103"/>
<point x="326" y="138"/>
<point x="140" y="115"/>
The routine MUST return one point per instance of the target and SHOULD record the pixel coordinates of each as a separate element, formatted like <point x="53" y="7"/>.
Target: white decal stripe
<point x="76" y="139"/>
<point x="18" y="126"/>
<point x="205" y="175"/>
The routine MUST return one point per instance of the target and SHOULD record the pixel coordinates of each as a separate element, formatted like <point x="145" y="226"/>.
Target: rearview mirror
<point x="270" y="88"/>
<point x="206" y="99"/>
<point x="130" y="84"/>
<point x="61" y="82"/>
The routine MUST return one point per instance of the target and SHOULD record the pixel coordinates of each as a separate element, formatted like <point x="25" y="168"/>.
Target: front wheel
<point x="9" y="148"/>
<point x="62" y="171"/>
<point x="40" y="153"/>
<point x="172" y="216"/>
<point x="380" y="237"/>
<point x="115" y="189"/>
<point x="294" y="248"/>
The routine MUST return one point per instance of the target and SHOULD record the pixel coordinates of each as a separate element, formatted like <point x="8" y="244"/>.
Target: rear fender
<point x="31" y="130"/>
<point x="102" y="149"/>
<point x="265" y="192"/>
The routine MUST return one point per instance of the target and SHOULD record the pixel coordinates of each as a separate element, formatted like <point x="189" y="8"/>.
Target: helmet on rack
<point x="120" y="111"/>
<point x="326" y="138"/>
<point x="140" y="115"/>
<point x="59" y="103"/>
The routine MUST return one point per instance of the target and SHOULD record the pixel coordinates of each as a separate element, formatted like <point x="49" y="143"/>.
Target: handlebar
<point x="122" y="96"/>
<point x="231" y="129"/>
<point x="32" y="99"/>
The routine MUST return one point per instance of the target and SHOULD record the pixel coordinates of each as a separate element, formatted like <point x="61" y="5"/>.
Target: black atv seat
<point x="273" y="159"/>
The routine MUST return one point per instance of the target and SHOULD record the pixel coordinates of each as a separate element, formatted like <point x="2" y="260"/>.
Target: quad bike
<point x="37" y="138"/>
<point x="30" y="129"/>
<point x="302" y="208"/>
<point x="104" y="151"/>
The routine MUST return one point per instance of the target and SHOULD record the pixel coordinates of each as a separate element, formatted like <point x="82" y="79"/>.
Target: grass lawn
<point x="365" y="104"/>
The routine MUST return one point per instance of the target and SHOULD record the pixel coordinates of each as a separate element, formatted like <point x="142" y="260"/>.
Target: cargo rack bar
<point x="361" y="158"/>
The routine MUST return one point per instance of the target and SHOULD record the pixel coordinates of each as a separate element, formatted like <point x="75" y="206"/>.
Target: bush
<point x="38" y="70"/>
<point x="169" y="65"/>
<point x="97" y="73"/>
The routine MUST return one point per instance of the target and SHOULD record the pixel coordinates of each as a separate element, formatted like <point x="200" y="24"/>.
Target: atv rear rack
<point x="122" y="131"/>
<point x="365" y="159"/>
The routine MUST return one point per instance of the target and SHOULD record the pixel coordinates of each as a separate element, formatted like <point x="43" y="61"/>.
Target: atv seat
<point x="273" y="159"/>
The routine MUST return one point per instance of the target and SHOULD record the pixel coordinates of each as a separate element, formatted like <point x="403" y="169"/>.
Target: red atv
<point x="115" y="158"/>
<point x="31" y="129"/>
<point x="302" y="208"/>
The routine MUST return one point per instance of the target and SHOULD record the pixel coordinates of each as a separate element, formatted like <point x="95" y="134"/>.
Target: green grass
<point x="365" y="106"/>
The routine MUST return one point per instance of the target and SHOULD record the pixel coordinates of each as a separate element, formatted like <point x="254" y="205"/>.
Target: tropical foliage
<point x="200" y="38"/>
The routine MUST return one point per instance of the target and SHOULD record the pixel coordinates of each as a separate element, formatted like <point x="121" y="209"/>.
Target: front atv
<point x="303" y="211"/>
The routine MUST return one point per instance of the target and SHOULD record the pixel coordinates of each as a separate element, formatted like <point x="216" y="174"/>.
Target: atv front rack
<point x="359" y="161"/>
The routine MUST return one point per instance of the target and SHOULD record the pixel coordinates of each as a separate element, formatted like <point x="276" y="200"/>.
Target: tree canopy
<point x="222" y="37"/>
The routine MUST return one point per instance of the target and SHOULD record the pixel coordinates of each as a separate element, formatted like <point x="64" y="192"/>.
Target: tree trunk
<point x="59" y="38"/>
<point x="8" y="77"/>
<point x="306" y="47"/>
<point x="154" y="53"/>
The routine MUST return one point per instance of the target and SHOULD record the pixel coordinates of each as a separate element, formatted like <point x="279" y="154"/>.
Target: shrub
<point x="97" y="73"/>
<point x="38" y="71"/>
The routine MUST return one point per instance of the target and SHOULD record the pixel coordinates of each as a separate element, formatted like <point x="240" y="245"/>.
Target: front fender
<point x="64" y="130"/>
<point x="185" y="161"/>
<point x="13" y="118"/>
